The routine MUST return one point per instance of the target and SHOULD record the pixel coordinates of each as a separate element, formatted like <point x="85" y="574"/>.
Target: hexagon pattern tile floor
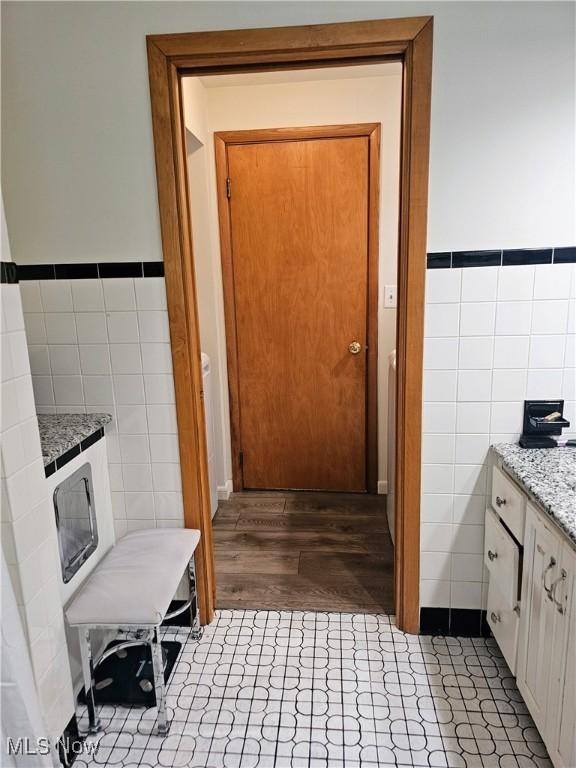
<point x="310" y="690"/>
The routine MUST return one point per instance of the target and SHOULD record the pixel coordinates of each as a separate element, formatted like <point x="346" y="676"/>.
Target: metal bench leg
<point x="94" y="724"/>
<point x="196" y="630"/>
<point x="163" y="726"/>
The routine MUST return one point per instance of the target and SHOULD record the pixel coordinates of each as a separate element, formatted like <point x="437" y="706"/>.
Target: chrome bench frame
<point x="137" y="635"/>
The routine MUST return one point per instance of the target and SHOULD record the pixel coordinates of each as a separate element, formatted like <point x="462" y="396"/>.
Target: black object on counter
<point x="538" y="431"/>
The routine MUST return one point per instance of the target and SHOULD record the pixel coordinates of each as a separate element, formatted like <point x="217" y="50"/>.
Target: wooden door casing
<point x="299" y="256"/>
<point x="172" y="56"/>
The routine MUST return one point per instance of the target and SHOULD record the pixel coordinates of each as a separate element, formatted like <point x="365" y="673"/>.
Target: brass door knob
<point x="355" y="347"/>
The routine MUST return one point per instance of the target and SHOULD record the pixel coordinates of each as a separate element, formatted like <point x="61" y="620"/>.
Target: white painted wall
<point x="194" y="105"/>
<point x="349" y="99"/>
<point x="208" y="279"/>
<point x="77" y="138"/>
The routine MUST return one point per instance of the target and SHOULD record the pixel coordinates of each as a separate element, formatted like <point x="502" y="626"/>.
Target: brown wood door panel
<point x="299" y="231"/>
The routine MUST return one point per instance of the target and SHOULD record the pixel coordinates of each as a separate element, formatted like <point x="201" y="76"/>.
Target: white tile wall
<point x="494" y="336"/>
<point x="104" y="345"/>
<point x="28" y="529"/>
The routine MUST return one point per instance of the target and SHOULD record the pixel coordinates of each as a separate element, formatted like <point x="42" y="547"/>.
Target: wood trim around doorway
<point x="223" y="139"/>
<point x="169" y="58"/>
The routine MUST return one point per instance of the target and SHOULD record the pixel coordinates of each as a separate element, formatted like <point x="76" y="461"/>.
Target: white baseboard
<point x="224" y="491"/>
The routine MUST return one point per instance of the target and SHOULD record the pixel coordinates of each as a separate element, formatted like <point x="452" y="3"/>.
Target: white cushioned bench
<point x="130" y="590"/>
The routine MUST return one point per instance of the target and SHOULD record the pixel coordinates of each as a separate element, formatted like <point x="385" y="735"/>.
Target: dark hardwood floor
<point x="304" y="551"/>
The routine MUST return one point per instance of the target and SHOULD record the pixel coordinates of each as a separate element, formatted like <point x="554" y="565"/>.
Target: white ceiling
<point x="383" y="69"/>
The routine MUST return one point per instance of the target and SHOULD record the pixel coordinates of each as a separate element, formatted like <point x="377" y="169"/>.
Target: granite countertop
<point x="62" y="431"/>
<point x="549" y="474"/>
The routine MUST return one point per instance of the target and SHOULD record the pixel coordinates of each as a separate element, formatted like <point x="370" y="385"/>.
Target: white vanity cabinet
<point x="502" y="559"/>
<point x="541" y="569"/>
<point x="563" y="745"/>
<point x="531" y="609"/>
<point x="504" y="533"/>
<point x="547" y="636"/>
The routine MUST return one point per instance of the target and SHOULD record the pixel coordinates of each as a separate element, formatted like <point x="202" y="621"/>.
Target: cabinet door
<point x="508" y="502"/>
<point x="541" y="559"/>
<point x="561" y="725"/>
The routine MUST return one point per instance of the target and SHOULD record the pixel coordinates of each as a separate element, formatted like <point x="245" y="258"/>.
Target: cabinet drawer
<point x="502" y="558"/>
<point x="504" y="623"/>
<point x="509" y="502"/>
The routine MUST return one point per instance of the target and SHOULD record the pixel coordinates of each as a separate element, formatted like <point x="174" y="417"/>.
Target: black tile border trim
<point x="36" y="272"/>
<point x="565" y="255"/>
<point x="153" y="268"/>
<point x="91" y="439"/>
<point x="89" y="271"/>
<point x="71" y="453"/>
<point x="454" y="622"/>
<point x="434" y="260"/>
<point x="476" y="258"/>
<point x="517" y="256"/>
<point x="8" y="273"/>
<point x="441" y="260"/>
<point x="500" y="257"/>
<point x="121" y="269"/>
<point x="75" y="271"/>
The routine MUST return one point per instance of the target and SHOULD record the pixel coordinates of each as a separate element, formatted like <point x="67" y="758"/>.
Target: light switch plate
<point x="390" y="296"/>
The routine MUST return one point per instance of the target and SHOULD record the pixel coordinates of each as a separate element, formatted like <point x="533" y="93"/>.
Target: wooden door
<point x="299" y="213"/>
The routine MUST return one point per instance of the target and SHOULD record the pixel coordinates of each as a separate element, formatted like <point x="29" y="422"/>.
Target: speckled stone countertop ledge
<point x="549" y="474"/>
<point x="61" y="432"/>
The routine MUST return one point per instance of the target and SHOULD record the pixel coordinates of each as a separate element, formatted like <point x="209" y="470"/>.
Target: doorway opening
<point x="175" y="57"/>
<point x="294" y="270"/>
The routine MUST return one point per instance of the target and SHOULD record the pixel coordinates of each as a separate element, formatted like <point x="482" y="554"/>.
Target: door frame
<point x="224" y="139"/>
<point x="170" y="57"/>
